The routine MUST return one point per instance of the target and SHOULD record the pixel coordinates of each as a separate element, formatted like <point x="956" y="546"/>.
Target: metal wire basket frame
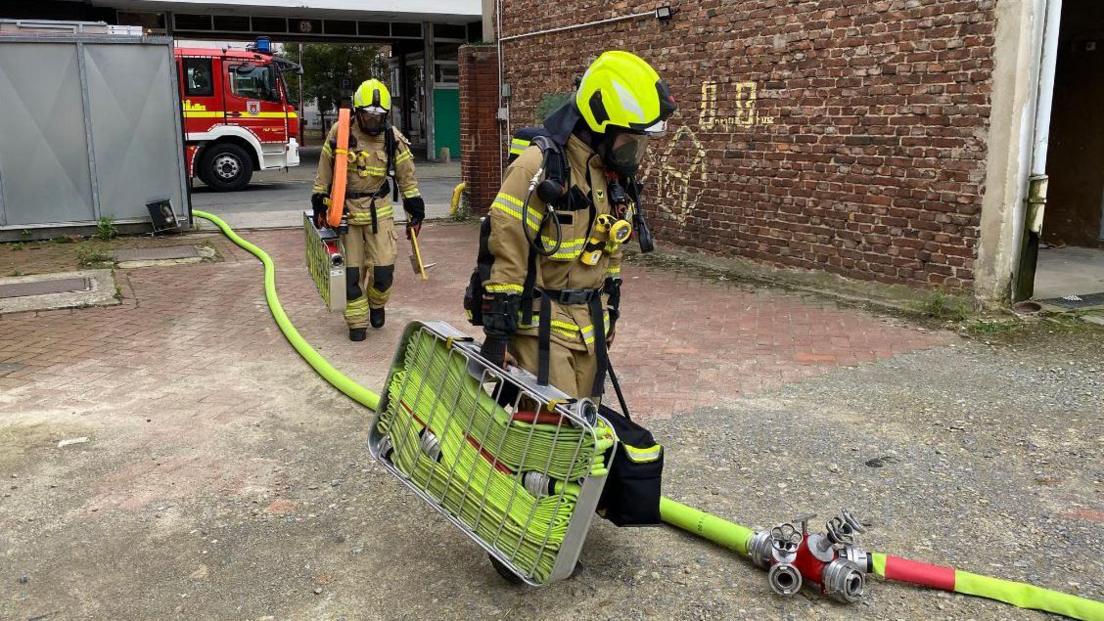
<point x="326" y="264"/>
<point x="516" y="466"/>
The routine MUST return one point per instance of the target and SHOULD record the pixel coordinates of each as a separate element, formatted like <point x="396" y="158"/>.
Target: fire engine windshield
<point x="254" y="82"/>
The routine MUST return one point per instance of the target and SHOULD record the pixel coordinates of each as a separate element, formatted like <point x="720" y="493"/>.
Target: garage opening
<point x="1070" y="270"/>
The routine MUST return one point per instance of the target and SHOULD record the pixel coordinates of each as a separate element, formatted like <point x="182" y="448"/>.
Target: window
<point x="231" y="23"/>
<point x="406" y="30"/>
<point x="450" y="31"/>
<point x="253" y="82"/>
<point x="197" y="77"/>
<point x="446" y="51"/>
<point x="446" y="73"/>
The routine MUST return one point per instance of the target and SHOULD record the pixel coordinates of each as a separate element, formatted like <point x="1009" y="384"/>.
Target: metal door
<point x="132" y="100"/>
<point x="44" y="155"/>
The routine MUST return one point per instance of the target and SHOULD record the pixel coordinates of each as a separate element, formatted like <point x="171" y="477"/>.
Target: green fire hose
<point x="735" y="537"/>
<point x="339" y="380"/>
<point x="718" y="530"/>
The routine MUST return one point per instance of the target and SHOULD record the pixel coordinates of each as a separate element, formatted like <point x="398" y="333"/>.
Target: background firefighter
<point x="553" y="292"/>
<point x="379" y="156"/>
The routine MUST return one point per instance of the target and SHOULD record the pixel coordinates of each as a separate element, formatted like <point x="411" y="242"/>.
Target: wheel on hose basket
<point x="505" y="572"/>
<point x="225" y="167"/>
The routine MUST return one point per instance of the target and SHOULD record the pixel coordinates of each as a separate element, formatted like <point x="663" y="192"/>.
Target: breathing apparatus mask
<point x="623" y="151"/>
<point x="371" y="120"/>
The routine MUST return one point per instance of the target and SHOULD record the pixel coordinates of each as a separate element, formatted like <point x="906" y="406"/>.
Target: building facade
<point x="888" y="140"/>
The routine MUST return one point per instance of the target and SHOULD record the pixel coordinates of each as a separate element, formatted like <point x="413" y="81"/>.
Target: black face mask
<point x="371" y="123"/>
<point x="623" y="152"/>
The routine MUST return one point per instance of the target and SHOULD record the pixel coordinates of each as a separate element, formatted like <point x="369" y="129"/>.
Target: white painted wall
<point x="380" y="8"/>
<point x="1017" y="64"/>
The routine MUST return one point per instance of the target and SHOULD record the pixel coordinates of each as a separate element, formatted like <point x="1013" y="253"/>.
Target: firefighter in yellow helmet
<point x="550" y="265"/>
<point x="380" y="167"/>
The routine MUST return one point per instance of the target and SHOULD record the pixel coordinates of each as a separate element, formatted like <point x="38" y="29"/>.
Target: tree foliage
<point x="551" y="102"/>
<point x="331" y="72"/>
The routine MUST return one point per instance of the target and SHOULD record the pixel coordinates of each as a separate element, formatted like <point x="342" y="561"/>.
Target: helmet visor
<point x="627" y="152"/>
<point x="371" y="120"/>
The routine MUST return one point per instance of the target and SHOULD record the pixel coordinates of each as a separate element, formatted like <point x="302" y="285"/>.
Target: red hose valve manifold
<point x="793" y="557"/>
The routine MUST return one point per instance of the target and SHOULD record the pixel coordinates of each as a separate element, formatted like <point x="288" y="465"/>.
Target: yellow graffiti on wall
<point x="747" y="114"/>
<point x="677" y="172"/>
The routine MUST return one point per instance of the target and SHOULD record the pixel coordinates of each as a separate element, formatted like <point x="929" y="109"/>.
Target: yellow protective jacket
<point x="367" y="172"/>
<point x="571" y="325"/>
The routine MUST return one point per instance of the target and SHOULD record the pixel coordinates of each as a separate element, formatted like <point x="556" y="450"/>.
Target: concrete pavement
<point x="277" y="198"/>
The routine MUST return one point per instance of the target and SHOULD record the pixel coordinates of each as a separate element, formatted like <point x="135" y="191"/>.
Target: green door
<point x="446" y="120"/>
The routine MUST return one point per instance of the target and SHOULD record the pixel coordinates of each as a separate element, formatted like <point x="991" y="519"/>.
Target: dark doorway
<point x="1076" y="159"/>
<point x="1071" y="257"/>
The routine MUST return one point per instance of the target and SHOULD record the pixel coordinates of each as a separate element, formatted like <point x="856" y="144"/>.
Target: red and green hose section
<point x="888" y="567"/>
<point x="715" y="529"/>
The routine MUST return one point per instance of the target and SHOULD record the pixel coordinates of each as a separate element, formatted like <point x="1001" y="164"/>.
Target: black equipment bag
<point x="634" y="484"/>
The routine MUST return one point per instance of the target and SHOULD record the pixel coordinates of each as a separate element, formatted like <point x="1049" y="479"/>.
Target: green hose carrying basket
<point x="516" y="466"/>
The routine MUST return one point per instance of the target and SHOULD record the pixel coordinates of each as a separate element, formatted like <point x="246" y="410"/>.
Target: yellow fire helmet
<point x="621" y="90"/>
<point x="372" y="94"/>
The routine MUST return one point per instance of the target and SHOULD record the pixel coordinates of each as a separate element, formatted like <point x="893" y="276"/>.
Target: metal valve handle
<point x="843" y="528"/>
<point x="785" y="538"/>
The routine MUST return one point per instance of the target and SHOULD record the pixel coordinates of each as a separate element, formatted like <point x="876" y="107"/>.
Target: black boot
<point x="358" y="334"/>
<point x="376" y="316"/>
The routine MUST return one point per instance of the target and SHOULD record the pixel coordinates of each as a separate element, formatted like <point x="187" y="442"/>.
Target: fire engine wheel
<point x="226" y="167"/>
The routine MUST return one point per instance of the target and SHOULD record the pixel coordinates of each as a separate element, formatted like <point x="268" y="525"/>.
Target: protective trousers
<point x="570" y="370"/>
<point x="370" y="269"/>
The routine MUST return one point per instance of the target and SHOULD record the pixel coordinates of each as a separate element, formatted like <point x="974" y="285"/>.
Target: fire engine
<point x="238" y="117"/>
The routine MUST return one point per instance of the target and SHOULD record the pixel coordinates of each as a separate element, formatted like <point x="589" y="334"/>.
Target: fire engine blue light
<point x="264" y="45"/>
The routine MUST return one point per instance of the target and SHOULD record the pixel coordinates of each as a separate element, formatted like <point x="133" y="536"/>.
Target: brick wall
<point x="481" y="164"/>
<point x="846" y="135"/>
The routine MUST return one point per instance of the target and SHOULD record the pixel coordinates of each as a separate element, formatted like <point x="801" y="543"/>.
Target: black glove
<point x="500" y="314"/>
<point x="318" y="204"/>
<point x="494" y="350"/>
<point x="612" y="289"/>
<point x="415" y="206"/>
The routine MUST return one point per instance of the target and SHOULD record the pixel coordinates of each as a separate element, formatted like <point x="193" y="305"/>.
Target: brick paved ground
<point x="222" y="479"/>
<point x="683" y="342"/>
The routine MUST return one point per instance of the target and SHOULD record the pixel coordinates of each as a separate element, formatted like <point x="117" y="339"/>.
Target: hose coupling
<point x="843" y="581"/>
<point x="385" y="447"/>
<point x="588" y="411"/>
<point x="537" y="484"/>
<point x="784" y="579"/>
<point x="860" y="557"/>
<point x="759" y="549"/>
<point x="430" y="445"/>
